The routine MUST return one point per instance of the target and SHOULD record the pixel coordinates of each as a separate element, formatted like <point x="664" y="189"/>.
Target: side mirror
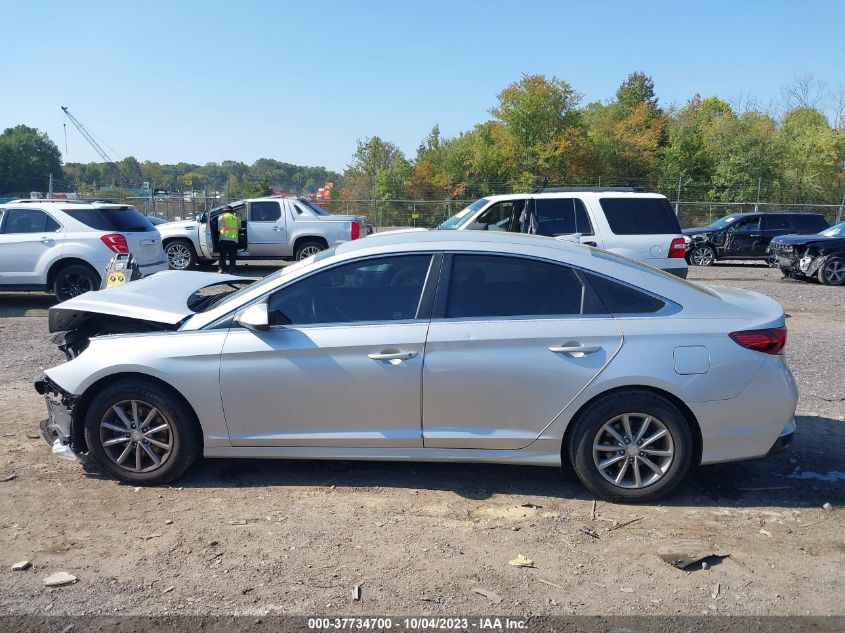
<point x="255" y="318"/>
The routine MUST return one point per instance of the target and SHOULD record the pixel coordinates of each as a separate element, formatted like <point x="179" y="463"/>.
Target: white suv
<point x="623" y="220"/>
<point x="63" y="246"/>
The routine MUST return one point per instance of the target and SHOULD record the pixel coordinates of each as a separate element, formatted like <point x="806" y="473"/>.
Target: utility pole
<point x="839" y="211"/>
<point x="678" y="199"/>
<point x="64" y="125"/>
<point x="757" y="204"/>
<point x="50" y="188"/>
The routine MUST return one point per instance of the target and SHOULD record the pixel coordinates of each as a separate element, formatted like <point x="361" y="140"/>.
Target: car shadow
<point x="25" y="304"/>
<point x="804" y="476"/>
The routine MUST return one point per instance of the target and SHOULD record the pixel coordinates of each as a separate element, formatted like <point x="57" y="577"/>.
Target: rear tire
<point x="832" y="272"/>
<point x="181" y="254"/>
<point x="306" y="249"/>
<point x="637" y="433"/>
<point x="701" y="256"/>
<point x="141" y="432"/>
<point x="74" y="280"/>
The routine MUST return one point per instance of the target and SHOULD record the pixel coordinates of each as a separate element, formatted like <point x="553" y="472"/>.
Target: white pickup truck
<point x="271" y="228"/>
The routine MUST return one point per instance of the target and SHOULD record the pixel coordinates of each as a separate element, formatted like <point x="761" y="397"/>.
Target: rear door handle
<point x="575" y="349"/>
<point x="278" y="228"/>
<point x="45" y="240"/>
<point x="392" y="356"/>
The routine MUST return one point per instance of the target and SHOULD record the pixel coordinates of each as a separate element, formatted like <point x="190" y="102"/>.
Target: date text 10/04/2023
<point x="418" y="624"/>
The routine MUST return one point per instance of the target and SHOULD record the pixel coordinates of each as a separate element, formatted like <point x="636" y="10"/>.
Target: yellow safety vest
<point x="229" y="225"/>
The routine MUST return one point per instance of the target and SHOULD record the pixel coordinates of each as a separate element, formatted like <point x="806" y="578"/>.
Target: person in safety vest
<point x="228" y="226"/>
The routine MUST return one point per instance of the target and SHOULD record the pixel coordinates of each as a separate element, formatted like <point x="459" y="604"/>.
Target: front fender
<point x="189" y="362"/>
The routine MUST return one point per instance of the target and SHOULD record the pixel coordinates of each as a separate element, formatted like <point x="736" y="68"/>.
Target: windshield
<point x="723" y="222"/>
<point x="837" y="230"/>
<point x="633" y="263"/>
<point x="463" y="215"/>
<point x="316" y="208"/>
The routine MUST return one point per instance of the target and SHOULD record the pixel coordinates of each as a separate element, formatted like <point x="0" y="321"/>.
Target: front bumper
<point x="59" y="426"/>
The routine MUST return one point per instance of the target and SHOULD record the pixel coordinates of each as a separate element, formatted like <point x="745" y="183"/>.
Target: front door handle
<point x="575" y="350"/>
<point x="392" y="355"/>
<point x="278" y="228"/>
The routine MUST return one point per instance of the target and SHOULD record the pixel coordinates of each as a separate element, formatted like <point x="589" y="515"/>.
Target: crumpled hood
<point x="698" y="230"/>
<point x="804" y="239"/>
<point x="159" y="298"/>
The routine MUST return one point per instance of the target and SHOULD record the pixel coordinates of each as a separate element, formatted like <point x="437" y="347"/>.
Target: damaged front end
<point x="60" y="429"/>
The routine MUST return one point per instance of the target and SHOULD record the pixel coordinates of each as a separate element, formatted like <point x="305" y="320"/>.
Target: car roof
<point x="450" y="239"/>
<point x="69" y="204"/>
<point x="579" y="193"/>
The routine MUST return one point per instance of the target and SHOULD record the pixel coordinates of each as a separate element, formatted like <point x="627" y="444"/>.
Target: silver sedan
<point x="427" y="346"/>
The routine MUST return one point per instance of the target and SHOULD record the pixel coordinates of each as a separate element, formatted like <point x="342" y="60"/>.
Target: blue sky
<point x="301" y="81"/>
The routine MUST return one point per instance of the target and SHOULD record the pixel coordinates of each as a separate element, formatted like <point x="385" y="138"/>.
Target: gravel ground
<point x="253" y="537"/>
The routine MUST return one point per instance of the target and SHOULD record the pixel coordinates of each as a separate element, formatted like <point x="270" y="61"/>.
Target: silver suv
<point x="63" y="246"/>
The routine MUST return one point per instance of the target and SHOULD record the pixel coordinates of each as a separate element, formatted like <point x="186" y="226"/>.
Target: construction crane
<point x="88" y="136"/>
<point x="93" y="143"/>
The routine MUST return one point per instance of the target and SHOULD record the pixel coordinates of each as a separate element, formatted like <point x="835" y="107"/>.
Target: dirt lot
<point x="253" y="537"/>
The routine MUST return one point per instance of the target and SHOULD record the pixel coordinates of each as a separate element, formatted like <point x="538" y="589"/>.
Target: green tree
<point x="27" y="158"/>
<point x="811" y="156"/>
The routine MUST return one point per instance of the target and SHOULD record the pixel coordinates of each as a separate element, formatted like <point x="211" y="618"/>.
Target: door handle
<point x="279" y="228"/>
<point x="575" y="349"/>
<point x="45" y="240"/>
<point x="392" y="356"/>
<point x="590" y="243"/>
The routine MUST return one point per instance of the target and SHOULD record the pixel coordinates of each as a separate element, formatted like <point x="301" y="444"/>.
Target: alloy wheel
<point x="75" y="284"/>
<point x="178" y="256"/>
<point x="702" y="256"/>
<point x="136" y="436"/>
<point x="834" y="272"/>
<point x="309" y="250"/>
<point x="633" y="450"/>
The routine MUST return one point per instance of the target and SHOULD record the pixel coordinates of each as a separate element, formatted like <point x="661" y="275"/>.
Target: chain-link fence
<point x="385" y="214"/>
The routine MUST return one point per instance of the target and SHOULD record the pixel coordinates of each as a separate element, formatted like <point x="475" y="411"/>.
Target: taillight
<point x="356" y="230"/>
<point x="678" y="247"/>
<point x="769" y="341"/>
<point x="116" y="242"/>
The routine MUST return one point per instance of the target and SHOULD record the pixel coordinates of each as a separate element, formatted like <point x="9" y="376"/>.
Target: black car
<point x="806" y="256"/>
<point x="747" y="235"/>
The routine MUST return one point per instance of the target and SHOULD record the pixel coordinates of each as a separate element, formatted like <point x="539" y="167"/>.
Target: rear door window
<point x="29" y="221"/>
<point x="640" y="216"/>
<point x="122" y="220"/>
<point x="562" y="216"/>
<point x="501" y="286"/>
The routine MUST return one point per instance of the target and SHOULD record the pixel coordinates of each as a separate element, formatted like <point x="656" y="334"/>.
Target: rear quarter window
<point x="123" y="220"/>
<point x="640" y="216"/>
<point x="809" y="223"/>
<point x="623" y="299"/>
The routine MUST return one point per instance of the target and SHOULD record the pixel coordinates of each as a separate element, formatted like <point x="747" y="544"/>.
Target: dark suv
<point x="747" y="235"/>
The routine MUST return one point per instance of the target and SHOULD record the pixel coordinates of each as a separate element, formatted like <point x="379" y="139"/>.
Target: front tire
<point x="141" y="432"/>
<point x="74" y="280"/>
<point x="701" y="256"/>
<point x="181" y="254"/>
<point x="832" y="272"/>
<point x="631" y="446"/>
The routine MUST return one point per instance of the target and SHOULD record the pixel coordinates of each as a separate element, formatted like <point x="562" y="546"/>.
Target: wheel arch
<point x="689" y="416"/>
<point x="83" y="402"/>
<point x="309" y="238"/>
<point x="64" y="262"/>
